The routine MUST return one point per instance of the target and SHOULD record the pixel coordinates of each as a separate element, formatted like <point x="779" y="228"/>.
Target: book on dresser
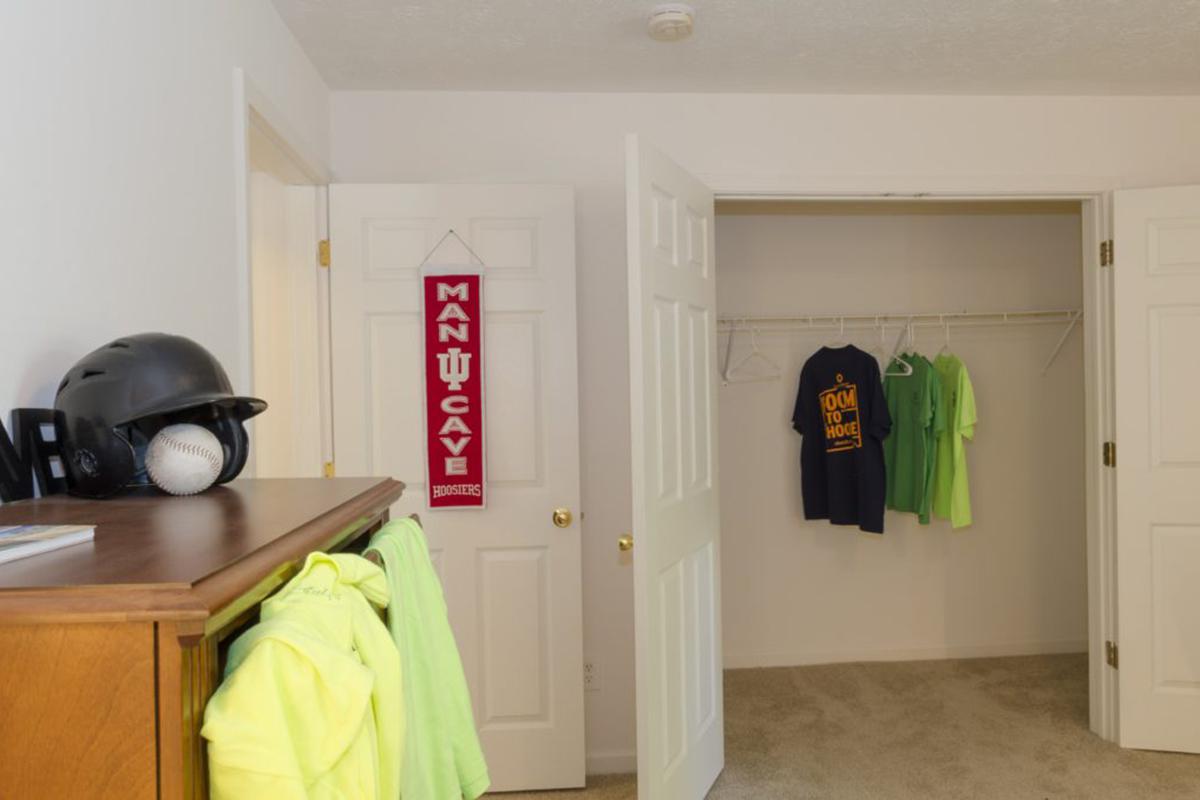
<point x="23" y="541"/>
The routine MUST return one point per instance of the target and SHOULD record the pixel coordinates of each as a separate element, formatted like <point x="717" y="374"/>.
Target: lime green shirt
<point x="916" y="407"/>
<point x="951" y="494"/>
<point x="443" y="759"/>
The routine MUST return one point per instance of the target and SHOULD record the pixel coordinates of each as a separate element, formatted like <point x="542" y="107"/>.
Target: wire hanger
<point x="896" y="365"/>
<point x="737" y="373"/>
<point x="878" y="350"/>
<point x="840" y="341"/>
<point x="946" y="333"/>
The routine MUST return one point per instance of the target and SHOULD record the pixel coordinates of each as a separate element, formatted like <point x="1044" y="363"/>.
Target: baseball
<point x="184" y="459"/>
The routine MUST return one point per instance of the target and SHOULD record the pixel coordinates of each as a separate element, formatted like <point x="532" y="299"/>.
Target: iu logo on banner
<point x="453" y="312"/>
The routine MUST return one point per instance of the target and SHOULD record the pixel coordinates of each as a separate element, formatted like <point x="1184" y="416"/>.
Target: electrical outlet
<point x="591" y="677"/>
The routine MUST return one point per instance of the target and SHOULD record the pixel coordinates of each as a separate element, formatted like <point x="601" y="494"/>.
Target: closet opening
<point x="1002" y="285"/>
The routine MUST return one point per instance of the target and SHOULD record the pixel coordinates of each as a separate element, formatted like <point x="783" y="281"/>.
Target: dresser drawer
<point x="77" y="711"/>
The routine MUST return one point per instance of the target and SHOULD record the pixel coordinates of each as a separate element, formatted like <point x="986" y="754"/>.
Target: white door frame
<point x="1099" y="386"/>
<point x="255" y="116"/>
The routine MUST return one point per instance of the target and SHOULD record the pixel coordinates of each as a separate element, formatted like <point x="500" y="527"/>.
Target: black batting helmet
<point x="116" y="398"/>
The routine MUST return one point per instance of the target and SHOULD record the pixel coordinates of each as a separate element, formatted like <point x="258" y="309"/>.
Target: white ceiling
<point x="829" y="46"/>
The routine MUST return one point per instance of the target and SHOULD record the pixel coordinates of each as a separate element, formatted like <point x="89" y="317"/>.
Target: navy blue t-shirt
<point x="843" y="417"/>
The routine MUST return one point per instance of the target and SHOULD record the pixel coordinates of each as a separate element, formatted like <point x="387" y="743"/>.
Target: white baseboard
<point x="612" y="762"/>
<point x="801" y="658"/>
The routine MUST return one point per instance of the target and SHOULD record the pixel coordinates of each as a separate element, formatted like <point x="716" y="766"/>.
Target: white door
<point x="1156" y="281"/>
<point x="511" y="577"/>
<point x="286" y="331"/>
<point x="676" y="556"/>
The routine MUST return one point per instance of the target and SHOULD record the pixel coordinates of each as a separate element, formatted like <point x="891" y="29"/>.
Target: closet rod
<point x="924" y="319"/>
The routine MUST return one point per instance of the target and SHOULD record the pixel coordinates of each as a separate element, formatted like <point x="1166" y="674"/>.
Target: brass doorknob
<point x="561" y="517"/>
<point x="625" y="543"/>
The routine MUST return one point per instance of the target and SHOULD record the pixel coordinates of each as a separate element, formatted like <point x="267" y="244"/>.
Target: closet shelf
<point x="926" y="319"/>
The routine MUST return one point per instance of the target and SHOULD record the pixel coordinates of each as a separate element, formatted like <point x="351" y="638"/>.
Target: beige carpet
<point x="979" y="728"/>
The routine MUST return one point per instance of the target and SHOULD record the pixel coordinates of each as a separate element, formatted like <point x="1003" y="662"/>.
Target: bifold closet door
<point x="1156" y="280"/>
<point x="676" y="527"/>
<point x="511" y="577"/>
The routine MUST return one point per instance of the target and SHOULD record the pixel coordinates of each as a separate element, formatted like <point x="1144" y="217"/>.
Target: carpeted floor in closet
<point x="976" y="728"/>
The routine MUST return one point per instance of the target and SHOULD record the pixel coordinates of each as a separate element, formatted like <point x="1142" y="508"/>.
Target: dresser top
<point x="154" y="550"/>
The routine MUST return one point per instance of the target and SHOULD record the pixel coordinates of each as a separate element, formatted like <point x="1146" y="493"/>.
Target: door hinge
<point x="1110" y="454"/>
<point x="323" y="253"/>
<point x="329" y="471"/>
<point x="1106" y="253"/>
<point x="1110" y="654"/>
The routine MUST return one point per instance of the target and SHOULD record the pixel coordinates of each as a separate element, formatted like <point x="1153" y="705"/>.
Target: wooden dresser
<point x="110" y="650"/>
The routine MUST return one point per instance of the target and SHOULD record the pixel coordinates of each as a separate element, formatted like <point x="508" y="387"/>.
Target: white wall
<point x="738" y="142"/>
<point x="118" y="174"/>
<point x="1014" y="582"/>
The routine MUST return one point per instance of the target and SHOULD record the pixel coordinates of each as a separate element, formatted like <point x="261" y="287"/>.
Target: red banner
<point x="454" y="386"/>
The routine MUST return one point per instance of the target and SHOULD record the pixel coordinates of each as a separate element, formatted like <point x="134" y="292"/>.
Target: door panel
<point x="285" y="329"/>
<point x="511" y="578"/>
<point x="1157" y="327"/>
<point x="672" y="310"/>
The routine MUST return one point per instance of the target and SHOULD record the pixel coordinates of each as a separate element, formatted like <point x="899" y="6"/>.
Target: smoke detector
<point x="671" y="22"/>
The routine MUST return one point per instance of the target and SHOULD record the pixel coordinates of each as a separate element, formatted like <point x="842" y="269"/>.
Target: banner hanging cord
<point x="451" y="232"/>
